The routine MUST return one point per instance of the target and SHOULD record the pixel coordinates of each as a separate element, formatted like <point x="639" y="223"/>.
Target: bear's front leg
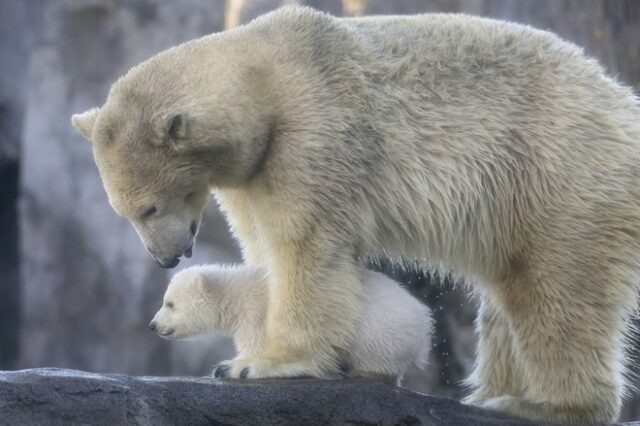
<point x="315" y="300"/>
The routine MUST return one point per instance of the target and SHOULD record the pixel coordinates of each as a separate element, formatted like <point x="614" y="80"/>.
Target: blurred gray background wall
<point x="77" y="288"/>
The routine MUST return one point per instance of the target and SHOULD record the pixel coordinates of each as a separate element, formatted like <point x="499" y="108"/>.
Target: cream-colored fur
<point x="393" y="334"/>
<point x="491" y="147"/>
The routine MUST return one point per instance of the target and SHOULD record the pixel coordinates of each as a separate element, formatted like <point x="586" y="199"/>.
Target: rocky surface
<point x="61" y="397"/>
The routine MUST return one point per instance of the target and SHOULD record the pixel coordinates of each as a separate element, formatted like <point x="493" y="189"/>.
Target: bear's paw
<point x="260" y="368"/>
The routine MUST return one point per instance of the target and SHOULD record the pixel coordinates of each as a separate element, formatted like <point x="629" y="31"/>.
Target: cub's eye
<point x="170" y="305"/>
<point x="149" y="212"/>
<point x="189" y="196"/>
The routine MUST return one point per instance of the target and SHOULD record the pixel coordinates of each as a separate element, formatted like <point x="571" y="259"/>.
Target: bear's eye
<point x="149" y="212"/>
<point x="189" y="197"/>
<point x="170" y="305"/>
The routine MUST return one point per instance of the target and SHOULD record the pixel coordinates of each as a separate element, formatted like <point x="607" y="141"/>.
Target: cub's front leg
<point x="315" y="300"/>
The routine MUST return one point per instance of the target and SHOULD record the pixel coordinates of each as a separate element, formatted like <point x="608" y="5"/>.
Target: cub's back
<point x="396" y="328"/>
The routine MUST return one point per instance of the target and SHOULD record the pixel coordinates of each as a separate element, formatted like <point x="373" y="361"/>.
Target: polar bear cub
<point x="394" y="332"/>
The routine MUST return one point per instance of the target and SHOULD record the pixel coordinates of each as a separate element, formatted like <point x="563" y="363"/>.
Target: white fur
<point x="392" y="336"/>
<point x="494" y="148"/>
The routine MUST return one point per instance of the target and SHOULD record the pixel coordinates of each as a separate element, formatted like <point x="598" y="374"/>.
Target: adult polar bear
<point x="492" y="147"/>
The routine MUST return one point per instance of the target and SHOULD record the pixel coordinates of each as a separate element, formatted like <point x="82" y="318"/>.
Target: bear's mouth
<point x="174" y="262"/>
<point x="166" y="333"/>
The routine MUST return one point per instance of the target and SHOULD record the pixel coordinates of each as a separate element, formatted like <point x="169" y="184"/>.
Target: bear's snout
<point x="168" y="265"/>
<point x="172" y="262"/>
<point x="160" y="330"/>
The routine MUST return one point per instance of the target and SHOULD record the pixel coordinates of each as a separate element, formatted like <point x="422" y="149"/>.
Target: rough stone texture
<point x="60" y="397"/>
<point x="88" y="286"/>
<point x="17" y="33"/>
<point x="18" y="28"/>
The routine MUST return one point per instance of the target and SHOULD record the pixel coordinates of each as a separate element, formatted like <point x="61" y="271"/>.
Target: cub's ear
<point x="83" y="123"/>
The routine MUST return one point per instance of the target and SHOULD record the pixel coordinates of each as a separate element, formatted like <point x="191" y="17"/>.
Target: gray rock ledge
<point x="50" y="396"/>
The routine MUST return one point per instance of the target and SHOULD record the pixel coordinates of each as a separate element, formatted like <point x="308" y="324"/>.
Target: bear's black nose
<point x="170" y="264"/>
<point x="152" y="325"/>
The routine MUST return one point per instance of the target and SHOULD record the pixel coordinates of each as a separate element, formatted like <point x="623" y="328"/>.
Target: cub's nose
<point x="152" y="325"/>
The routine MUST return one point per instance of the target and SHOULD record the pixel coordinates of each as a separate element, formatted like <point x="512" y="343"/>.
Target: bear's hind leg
<point x="495" y="372"/>
<point x="567" y="338"/>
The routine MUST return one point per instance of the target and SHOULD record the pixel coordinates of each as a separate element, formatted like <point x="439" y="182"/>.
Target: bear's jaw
<point x="166" y="334"/>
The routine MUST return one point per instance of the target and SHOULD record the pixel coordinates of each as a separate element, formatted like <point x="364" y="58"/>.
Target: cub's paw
<point x="474" y="399"/>
<point x="516" y="407"/>
<point x="258" y="368"/>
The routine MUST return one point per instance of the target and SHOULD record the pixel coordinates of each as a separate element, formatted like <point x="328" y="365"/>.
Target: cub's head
<point x="160" y="152"/>
<point x="188" y="307"/>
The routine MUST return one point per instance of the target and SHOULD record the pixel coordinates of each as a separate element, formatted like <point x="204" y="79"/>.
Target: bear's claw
<point x="255" y="368"/>
<point x="244" y="373"/>
<point x="221" y="371"/>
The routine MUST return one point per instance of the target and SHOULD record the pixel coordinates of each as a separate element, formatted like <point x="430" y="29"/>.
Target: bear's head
<point x="160" y="152"/>
<point x="189" y="306"/>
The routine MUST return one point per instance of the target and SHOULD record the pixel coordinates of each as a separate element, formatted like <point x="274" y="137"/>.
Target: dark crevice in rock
<point x="9" y="284"/>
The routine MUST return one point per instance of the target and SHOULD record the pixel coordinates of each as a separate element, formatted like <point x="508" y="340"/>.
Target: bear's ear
<point x="177" y="127"/>
<point x="175" y="130"/>
<point x="83" y="123"/>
